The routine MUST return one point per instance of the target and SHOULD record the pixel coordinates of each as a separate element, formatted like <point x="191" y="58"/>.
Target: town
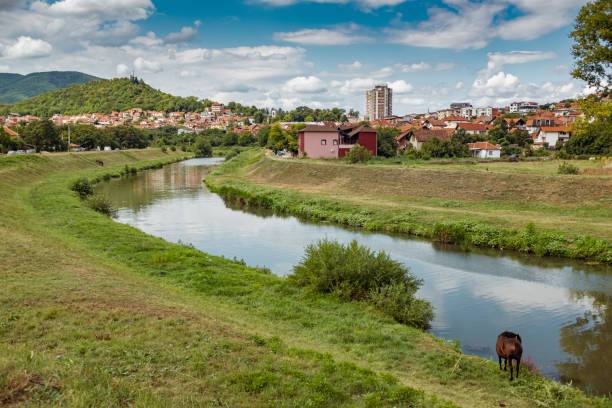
<point x="548" y="126"/>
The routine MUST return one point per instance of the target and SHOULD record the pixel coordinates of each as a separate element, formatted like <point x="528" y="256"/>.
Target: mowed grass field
<point x="504" y="195"/>
<point x="96" y="313"/>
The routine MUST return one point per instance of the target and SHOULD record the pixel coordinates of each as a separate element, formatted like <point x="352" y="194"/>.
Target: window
<point x="323" y="141"/>
<point x="335" y="142"/>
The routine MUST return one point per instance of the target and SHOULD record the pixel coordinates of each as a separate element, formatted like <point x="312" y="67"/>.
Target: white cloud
<point x="459" y="85"/>
<point x="122" y="70"/>
<point x="500" y="84"/>
<point x="144" y="66"/>
<point x="186" y="34"/>
<point x="466" y="24"/>
<point x="4" y="68"/>
<point x="383" y="72"/>
<point x="367" y="4"/>
<point x="107" y="9"/>
<point x="322" y="36"/>
<point x="350" y="67"/>
<point x="310" y="84"/>
<point x="400" y="87"/>
<point x="497" y="60"/>
<point x="423" y="66"/>
<point x="148" y="40"/>
<point x="28" y="47"/>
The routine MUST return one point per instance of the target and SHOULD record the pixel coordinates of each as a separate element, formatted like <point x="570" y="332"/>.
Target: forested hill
<point x="16" y="88"/>
<point x="104" y="96"/>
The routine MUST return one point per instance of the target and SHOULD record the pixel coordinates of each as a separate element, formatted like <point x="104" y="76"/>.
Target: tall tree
<point x="592" y="48"/>
<point x="43" y="135"/>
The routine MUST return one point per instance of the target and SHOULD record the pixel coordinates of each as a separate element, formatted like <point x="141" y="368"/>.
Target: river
<point x="561" y="308"/>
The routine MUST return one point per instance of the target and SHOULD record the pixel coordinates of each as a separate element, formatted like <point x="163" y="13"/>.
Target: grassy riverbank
<point x="96" y="313"/>
<point x="487" y="205"/>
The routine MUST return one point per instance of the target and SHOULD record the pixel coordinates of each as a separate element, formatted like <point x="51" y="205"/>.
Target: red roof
<point x="555" y="129"/>
<point x="483" y="146"/>
<point x="474" y="126"/>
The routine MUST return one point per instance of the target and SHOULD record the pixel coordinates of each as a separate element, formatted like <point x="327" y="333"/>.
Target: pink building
<point x="331" y="142"/>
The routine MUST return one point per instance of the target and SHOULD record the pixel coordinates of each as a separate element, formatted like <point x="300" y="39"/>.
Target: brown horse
<point x="509" y="346"/>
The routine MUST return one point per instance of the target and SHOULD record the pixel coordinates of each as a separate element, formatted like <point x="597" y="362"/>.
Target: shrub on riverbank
<point x="82" y="187"/>
<point x="355" y="272"/>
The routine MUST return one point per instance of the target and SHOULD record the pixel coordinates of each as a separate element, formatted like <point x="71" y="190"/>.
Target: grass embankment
<point x="516" y="206"/>
<point x="96" y="313"/>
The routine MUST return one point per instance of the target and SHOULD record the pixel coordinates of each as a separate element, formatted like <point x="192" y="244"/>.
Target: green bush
<point x="354" y="272"/>
<point x="164" y="149"/>
<point x="358" y="154"/>
<point x="83" y="187"/>
<point x="567" y="168"/>
<point x="398" y="301"/>
<point x="101" y="204"/>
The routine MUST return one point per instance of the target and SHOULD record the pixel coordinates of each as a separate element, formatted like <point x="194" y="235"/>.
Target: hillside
<point x="16" y="87"/>
<point x="103" y="96"/>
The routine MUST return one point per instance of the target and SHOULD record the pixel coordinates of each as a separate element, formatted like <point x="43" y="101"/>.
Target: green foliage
<point x="358" y="154"/>
<point x="246" y="139"/>
<point x="202" y="147"/>
<point x="567" y="168"/>
<point x="43" y="135"/>
<point x="435" y="147"/>
<point x="16" y="88"/>
<point x="230" y="139"/>
<point x="354" y="272"/>
<point x="100" y="203"/>
<point x="279" y="140"/>
<point x="592" y="49"/>
<point x="104" y="96"/>
<point x="592" y="135"/>
<point x="386" y="143"/>
<point x="82" y="187"/>
<point x="164" y="149"/>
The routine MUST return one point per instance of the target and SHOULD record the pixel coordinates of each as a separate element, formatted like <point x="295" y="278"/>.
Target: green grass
<point x="96" y="313"/>
<point x="451" y="206"/>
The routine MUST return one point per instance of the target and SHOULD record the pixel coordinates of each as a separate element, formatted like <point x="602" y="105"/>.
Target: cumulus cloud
<point x="107" y="9"/>
<point x="310" y="84"/>
<point x="322" y="36"/>
<point x="356" y="65"/>
<point x="497" y="60"/>
<point x="423" y="66"/>
<point x="122" y="70"/>
<point x="400" y="87"/>
<point x="366" y="4"/>
<point x="28" y="47"/>
<point x="143" y="65"/>
<point x="186" y="34"/>
<point x="467" y="24"/>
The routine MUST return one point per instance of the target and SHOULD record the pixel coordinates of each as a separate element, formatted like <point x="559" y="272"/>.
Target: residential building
<point x="331" y="142"/>
<point x="475" y="128"/>
<point x="217" y="108"/>
<point x="379" y="102"/>
<point x="484" y="150"/>
<point x="524" y="107"/>
<point x="416" y="137"/>
<point x="553" y="134"/>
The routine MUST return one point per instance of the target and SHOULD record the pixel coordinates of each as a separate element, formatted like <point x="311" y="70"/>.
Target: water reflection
<point x="560" y="307"/>
<point x="589" y="342"/>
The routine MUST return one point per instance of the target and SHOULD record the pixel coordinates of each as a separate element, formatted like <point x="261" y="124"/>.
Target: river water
<point x="561" y="308"/>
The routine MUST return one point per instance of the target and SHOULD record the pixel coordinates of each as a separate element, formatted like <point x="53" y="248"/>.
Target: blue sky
<point x="321" y="53"/>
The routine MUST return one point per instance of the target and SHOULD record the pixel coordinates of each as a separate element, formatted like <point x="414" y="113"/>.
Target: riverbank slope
<point x="96" y="313"/>
<point x="519" y="206"/>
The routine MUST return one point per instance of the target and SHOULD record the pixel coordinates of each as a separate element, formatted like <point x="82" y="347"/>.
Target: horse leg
<point x="505" y="364"/>
<point x="510" y="368"/>
<point x="518" y="363"/>
<point x="500" y="367"/>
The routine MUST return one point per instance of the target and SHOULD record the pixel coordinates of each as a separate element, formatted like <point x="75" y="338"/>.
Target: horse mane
<point x="511" y="335"/>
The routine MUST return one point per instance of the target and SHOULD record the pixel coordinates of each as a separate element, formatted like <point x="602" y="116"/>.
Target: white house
<point x="553" y="134"/>
<point x="485" y="150"/>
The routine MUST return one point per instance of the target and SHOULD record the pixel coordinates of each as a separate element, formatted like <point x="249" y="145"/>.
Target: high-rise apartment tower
<point x="379" y="102"/>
